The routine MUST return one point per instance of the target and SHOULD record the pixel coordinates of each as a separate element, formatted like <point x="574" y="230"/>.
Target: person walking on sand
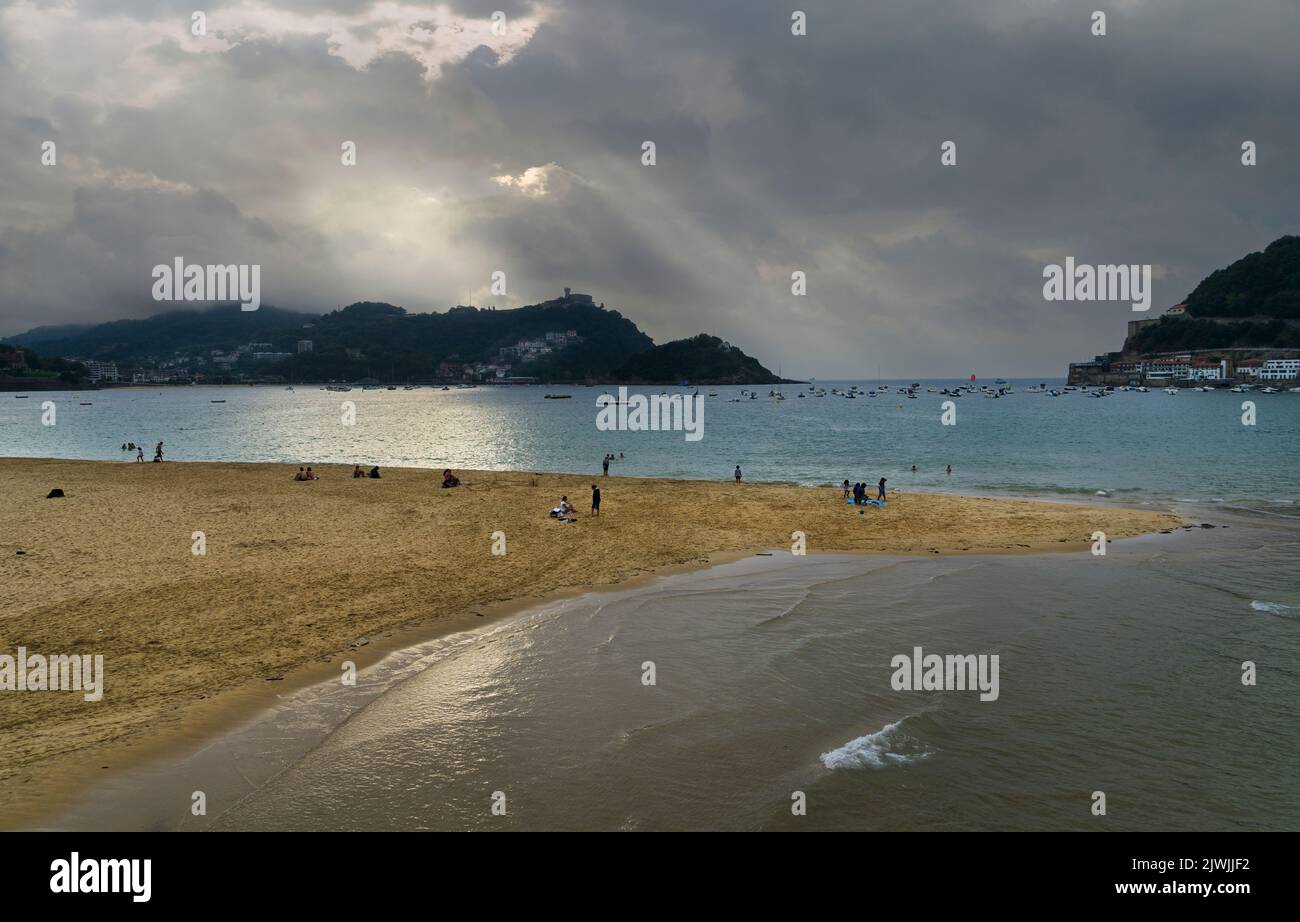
<point x="737" y="473"/>
<point x="158" y="452"/>
<point x="881" y="496"/>
<point x="595" y="500"/>
<point x="846" y="489"/>
<point x="139" y="454"/>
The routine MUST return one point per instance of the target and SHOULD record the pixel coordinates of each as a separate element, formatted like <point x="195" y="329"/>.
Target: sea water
<point x="1131" y="446"/>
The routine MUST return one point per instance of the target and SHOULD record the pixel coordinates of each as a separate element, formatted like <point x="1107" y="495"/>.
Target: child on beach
<point x="737" y="473"/>
<point x="595" y="500"/>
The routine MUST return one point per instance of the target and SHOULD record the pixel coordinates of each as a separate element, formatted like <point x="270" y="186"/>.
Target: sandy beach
<point x="298" y="577"/>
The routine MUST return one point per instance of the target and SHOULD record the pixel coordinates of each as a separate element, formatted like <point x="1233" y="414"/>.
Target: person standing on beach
<point x="158" y="452"/>
<point x="595" y="500"/>
<point x="139" y="454"/>
<point x="846" y="488"/>
<point x="605" y="465"/>
<point x="881" y="497"/>
<point x="737" y="473"/>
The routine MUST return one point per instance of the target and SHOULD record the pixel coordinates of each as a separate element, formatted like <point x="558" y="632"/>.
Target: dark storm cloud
<point x="776" y="153"/>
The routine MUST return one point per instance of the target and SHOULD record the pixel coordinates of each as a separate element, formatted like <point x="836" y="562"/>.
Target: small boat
<point x="1171" y="390"/>
<point x="85" y="404"/>
<point x="210" y="401"/>
<point x="557" y="396"/>
<point x="21" y="396"/>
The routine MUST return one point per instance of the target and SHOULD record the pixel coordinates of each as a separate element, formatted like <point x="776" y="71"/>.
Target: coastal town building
<point x="101" y="371"/>
<point x="1186" y="368"/>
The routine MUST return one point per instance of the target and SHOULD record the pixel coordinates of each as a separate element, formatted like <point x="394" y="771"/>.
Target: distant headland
<point x="1240" y="325"/>
<point x="570" y="339"/>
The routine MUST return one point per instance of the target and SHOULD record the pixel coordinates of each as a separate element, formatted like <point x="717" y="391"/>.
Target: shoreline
<point x="202" y="681"/>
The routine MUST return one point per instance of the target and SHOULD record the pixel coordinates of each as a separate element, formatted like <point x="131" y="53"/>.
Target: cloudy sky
<point x="521" y="152"/>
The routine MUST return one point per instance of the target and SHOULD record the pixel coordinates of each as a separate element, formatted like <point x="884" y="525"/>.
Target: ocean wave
<point x="1276" y="608"/>
<point x="887" y="746"/>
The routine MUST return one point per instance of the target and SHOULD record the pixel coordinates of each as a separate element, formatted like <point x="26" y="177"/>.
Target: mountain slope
<point x="702" y="359"/>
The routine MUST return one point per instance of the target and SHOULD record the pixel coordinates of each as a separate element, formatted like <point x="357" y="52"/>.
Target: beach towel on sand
<point x="870" y="502"/>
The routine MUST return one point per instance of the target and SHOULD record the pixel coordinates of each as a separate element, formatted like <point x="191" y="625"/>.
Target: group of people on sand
<point x="859" y="492"/>
<point x="359" y="473"/>
<point x="565" y="511"/>
<point x="139" y="451"/>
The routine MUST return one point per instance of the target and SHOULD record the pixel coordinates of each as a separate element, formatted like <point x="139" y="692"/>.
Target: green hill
<point x="702" y="359"/>
<point x="1261" y="285"/>
<point x="565" y="339"/>
<point x="1253" y="303"/>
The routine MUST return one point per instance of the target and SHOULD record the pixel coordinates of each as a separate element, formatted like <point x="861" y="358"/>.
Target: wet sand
<point x="299" y="577"/>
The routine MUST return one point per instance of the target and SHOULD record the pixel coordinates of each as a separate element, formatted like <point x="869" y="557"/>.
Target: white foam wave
<point x="875" y="750"/>
<point x="1276" y="608"/>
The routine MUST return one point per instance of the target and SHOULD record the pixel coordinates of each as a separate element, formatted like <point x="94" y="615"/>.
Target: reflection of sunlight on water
<point x="1026" y="444"/>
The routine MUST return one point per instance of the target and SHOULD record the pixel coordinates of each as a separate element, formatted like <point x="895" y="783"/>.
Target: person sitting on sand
<point x="374" y="473"/>
<point x="357" y="471"/>
<point x="449" y="479"/>
<point x="301" y="475"/>
<point x="564" y="512"/>
<point x="312" y="475"/>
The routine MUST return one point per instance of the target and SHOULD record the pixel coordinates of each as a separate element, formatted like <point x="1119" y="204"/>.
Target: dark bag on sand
<point x="56" y="493"/>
